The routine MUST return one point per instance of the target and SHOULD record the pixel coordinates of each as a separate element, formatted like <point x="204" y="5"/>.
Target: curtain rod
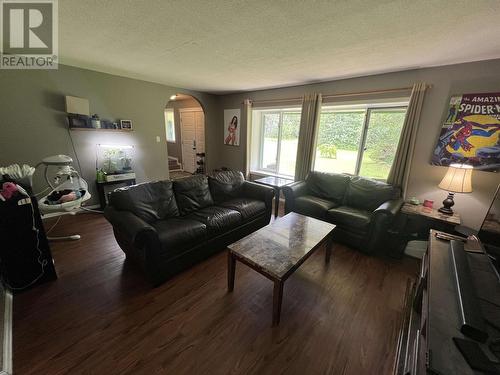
<point x="400" y="89"/>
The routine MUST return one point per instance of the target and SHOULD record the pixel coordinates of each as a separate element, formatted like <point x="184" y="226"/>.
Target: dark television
<point x="489" y="234"/>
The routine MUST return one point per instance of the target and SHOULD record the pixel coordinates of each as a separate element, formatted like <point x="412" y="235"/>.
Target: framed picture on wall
<point x="470" y="133"/>
<point x="232" y="127"/>
<point x="126" y="124"/>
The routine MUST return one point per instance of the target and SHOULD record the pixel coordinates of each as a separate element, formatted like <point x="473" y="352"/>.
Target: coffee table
<point x="278" y="249"/>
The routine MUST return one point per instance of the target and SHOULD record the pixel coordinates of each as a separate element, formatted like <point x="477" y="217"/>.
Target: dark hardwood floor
<point x="101" y="317"/>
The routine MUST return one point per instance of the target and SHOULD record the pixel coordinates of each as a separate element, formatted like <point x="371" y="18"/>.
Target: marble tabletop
<point x="432" y="213"/>
<point x="274" y="181"/>
<point x="279" y="246"/>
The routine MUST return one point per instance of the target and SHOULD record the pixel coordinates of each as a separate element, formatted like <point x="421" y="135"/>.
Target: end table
<point x="277" y="183"/>
<point x="422" y="219"/>
<point x="100" y="189"/>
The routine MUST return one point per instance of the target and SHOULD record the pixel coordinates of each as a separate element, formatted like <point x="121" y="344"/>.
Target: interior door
<point x="200" y="131"/>
<point x="192" y="137"/>
<point x="188" y="138"/>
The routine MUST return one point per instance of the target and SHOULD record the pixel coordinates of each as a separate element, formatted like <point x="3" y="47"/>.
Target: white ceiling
<point x="222" y="46"/>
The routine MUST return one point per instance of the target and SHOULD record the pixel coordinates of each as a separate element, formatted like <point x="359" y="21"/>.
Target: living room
<point x="319" y="149"/>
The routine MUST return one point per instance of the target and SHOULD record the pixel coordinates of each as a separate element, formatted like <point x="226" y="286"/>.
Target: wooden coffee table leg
<point x="277" y="299"/>
<point x="328" y="249"/>
<point x="231" y="268"/>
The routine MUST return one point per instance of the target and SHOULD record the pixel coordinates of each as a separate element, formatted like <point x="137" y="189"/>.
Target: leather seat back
<point x="192" y="193"/>
<point x="225" y="185"/>
<point x="369" y="194"/>
<point x="329" y="186"/>
<point x="151" y="201"/>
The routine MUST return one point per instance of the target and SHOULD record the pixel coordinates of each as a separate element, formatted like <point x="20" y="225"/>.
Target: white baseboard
<point x="7" y="334"/>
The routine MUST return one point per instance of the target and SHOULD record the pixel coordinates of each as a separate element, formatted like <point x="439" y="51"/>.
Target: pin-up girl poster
<point x="232" y="127"/>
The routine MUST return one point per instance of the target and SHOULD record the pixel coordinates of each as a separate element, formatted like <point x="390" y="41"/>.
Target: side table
<point x="100" y="188"/>
<point x="276" y="183"/>
<point x="419" y="219"/>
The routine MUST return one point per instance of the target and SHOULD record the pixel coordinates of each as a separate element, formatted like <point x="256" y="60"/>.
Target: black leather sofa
<point x="166" y="226"/>
<point x="362" y="209"/>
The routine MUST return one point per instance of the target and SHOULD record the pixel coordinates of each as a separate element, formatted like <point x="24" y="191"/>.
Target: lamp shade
<point x="458" y="179"/>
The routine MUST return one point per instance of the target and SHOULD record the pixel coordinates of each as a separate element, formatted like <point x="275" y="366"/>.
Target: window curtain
<point x="247" y="115"/>
<point x="309" y="121"/>
<point x="400" y="170"/>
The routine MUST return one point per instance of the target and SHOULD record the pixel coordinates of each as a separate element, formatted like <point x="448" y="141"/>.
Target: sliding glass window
<point x="276" y="131"/>
<point x="359" y="139"/>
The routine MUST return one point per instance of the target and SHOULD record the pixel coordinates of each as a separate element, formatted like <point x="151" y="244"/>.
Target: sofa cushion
<point x="217" y="219"/>
<point x="369" y="194"/>
<point x="225" y="185"/>
<point x="330" y="186"/>
<point x="192" y="193"/>
<point x="248" y="208"/>
<point x="150" y="201"/>
<point x="313" y="206"/>
<point x="178" y="234"/>
<point x="349" y="217"/>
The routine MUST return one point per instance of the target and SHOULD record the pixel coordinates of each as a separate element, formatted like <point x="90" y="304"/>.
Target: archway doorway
<point x="185" y="132"/>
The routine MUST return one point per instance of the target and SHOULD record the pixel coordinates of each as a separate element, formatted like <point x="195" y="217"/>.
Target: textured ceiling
<point x="223" y="46"/>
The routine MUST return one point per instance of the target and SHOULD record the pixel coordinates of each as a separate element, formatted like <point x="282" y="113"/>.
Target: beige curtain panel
<point x="400" y="170"/>
<point x="247" y="115"/>
<point x="309" y="121"/>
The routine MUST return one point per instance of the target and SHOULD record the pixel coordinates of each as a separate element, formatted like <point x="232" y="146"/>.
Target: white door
<point x="192" y="137"/>
<point x="200" y="131"/>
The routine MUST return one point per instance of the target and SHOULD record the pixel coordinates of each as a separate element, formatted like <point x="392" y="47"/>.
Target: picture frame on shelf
<point x="125" y="124"/>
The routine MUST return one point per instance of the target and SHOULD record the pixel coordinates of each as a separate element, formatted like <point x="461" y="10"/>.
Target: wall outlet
<point x="158" y="139"/>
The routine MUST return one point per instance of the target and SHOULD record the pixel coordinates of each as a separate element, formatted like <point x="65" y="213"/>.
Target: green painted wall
<point x="33" y="121"/>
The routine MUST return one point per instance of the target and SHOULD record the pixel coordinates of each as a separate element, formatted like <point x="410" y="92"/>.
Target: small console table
<point x="101" y="185"/>
<point x="277" y="183"/>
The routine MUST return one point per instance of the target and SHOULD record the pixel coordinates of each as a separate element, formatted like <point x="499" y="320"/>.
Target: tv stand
<point x="432" y="315"/>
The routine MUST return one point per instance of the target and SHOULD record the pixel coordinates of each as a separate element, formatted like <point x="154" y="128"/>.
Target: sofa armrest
<point x="136" y="230"/>
<point x="259" y="192"/>
<point x="390" y="207"/>
<point x="291" y="192"/>
<point x="383" y="218"/>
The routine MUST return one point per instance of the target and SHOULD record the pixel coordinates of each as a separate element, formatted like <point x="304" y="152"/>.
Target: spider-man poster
<point x="471" y="132"/>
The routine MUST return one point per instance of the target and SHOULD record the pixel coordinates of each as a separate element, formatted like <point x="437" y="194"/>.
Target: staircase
<point x="173" y="164"/>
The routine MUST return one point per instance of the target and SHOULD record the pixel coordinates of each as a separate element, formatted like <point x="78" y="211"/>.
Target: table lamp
<point x="458" y="179"/>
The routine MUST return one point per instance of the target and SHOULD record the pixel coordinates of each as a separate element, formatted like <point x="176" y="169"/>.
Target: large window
<point x="170" y="124"/>
<point x="277" y="134"/>
<point x="360" y="140"/>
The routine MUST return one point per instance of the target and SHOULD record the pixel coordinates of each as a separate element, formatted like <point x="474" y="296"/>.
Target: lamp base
<point x="447" y="204"/>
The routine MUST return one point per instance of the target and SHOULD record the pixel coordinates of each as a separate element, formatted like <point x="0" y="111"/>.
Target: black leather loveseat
<point x="362" y="209"/>
<point x="166" y="226"/>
